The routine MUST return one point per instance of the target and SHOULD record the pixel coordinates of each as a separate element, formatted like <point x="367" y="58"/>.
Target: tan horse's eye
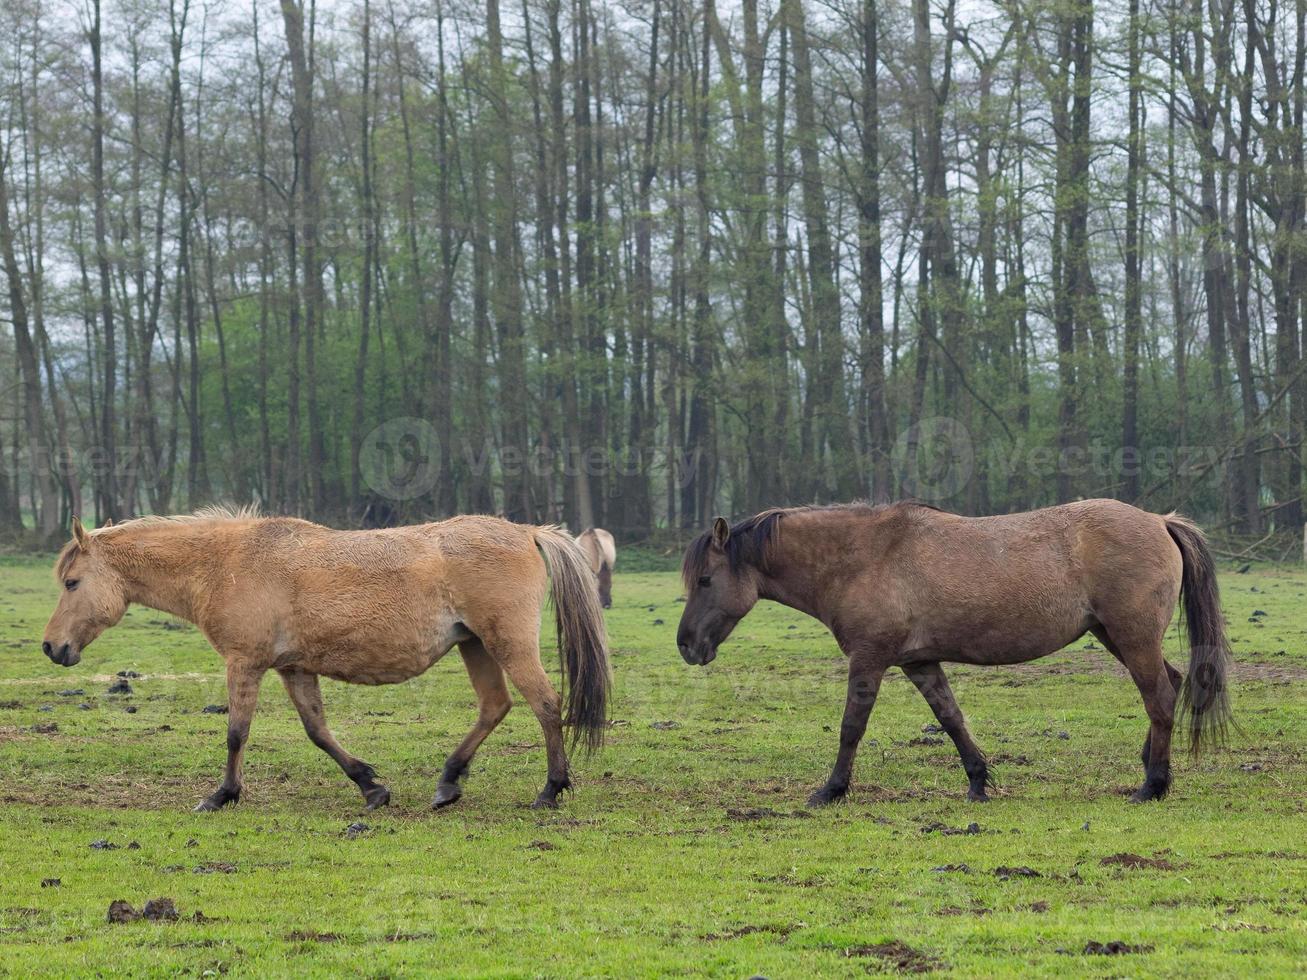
<point x="705" y="581"/>
<point x="71" y="583"/>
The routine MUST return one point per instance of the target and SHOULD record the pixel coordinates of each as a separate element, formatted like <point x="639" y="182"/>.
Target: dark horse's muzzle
<point x="697" y="654"/>
<point x="64" y="656"/>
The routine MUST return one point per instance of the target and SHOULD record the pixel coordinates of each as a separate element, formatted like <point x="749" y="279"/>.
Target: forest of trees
<point x="635" y="265"/>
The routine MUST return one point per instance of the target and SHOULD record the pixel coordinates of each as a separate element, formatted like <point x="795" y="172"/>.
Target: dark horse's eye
<point x="70" y="584"/>
<point x="705" y="581"/>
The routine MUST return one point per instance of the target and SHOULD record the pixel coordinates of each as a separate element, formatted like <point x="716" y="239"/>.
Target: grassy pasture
<point x="686" y="847"/>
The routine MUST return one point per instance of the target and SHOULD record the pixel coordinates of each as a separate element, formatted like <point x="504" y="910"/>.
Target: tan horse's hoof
<point x="446" y="793"/>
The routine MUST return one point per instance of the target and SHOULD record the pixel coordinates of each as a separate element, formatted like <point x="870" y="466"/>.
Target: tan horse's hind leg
<point x="493" y="703"/>
<point x="520" y="659"/>
<point x="242" y="698"/>
<point x="306" y="695"/>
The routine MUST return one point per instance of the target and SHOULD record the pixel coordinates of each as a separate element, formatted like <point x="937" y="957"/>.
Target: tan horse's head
<point x="93" y="598"/>
<point x="721" y="587"/>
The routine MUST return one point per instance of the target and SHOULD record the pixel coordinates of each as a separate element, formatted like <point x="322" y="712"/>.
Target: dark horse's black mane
<point x="752" y="540"/>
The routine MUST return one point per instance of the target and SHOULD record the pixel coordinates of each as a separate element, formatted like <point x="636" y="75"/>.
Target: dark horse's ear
<point x="79" y="534"/>
<point x="721" y="531"/>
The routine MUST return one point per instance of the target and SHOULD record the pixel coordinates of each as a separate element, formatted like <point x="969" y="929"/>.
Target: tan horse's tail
<point x="582" y="637"/>
<point x="1204" y="696"/>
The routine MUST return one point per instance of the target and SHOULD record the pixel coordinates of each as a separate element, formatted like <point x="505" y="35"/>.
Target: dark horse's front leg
<point x="864" y="683"/>
<point x="242" y="697"/>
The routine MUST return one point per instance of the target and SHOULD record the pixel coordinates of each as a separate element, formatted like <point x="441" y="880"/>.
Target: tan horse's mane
<point x="216" y="512"/>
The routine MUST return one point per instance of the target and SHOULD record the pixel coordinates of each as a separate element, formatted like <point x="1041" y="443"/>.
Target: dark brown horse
<point x="905" y="585"/>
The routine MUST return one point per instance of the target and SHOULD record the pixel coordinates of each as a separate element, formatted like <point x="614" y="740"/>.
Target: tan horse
<point x="370" y="607"/>
<point x="908" y="586"/>
<point x="601" y="552"/>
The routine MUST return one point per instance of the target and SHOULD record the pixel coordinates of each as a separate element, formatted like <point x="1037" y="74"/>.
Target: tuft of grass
<point x="686" y="846"/>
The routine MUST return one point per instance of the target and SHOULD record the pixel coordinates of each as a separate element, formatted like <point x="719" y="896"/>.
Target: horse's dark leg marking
<point x="606" y="585"/>
<point x="864" y="683"/>
<point x="521" y="661"/>
<point x="493" y="703"/>
<point x="242" y="698"/>
<point x="934" y="687"/>
<point x="1154" y="683"/>
<point x="1176" y="679"/>
<point x="306" y="695"/>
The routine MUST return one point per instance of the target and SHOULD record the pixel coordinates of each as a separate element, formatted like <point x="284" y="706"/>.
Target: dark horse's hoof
<point x="977" y="796"/>
<point x="1145" y="795"/>
<point x="446" y="793"/>
<point x="217" y="800"/>
<point x="826" y="795"/>
<point x="548" y="798"/>
<point x="377" y="796"/>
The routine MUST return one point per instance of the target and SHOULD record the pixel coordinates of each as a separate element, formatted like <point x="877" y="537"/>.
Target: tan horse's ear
<point x="79" y="534"/>
<point x="108" y="523"/>
<point x="721" y="531"/>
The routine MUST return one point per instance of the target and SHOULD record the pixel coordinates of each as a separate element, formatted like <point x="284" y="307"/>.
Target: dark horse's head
<point x="94" y="597"/>
<point x="721" y="572"/>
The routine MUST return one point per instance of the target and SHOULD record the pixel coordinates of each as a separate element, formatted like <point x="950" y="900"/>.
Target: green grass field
<point x="686" y="846"/>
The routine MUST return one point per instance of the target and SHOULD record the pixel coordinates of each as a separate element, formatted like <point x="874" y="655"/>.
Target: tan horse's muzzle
<point x="65" y="654"/>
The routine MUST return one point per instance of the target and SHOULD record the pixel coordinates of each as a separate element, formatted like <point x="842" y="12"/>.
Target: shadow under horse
<point x="905" y="585"/>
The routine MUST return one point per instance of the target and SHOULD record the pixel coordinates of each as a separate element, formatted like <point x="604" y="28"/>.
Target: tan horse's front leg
<point x="242" y="698"/>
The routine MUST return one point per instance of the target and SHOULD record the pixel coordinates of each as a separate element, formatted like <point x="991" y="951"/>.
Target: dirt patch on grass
<point x="779" y="930"/>
<point x="1125" y="860"/>
<point x="311" y="936"/>
<point x="899" y="956"/>
<point x="1004" y="873"/>
<point x="1113" y="948"/>
<point x="764" y="813"/>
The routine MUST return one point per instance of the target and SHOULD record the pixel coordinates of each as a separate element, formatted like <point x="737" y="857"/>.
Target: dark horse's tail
<point x="1204" y="696"/>
<point x="582" y="638"/>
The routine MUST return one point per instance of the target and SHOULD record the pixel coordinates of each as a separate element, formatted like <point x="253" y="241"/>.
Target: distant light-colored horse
<point x="369" y="607"/>
<point x="601" y="552"/>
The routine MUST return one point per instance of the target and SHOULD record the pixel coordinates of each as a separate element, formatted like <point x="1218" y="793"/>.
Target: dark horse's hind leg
<point x="934" y="687"/>
<point x="493" y="703"/>
<point x="1159" y="689"/>
<point x="864" y="683"/>
<point x="306" y="695"/>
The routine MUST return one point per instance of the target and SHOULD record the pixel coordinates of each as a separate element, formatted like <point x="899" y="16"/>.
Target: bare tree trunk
<point x="506" y="297"/>
<point x="1133" y="311"/>
<point x="872" y="303"/>
<point x="107" y="493"/>
<point x="47" y="504"/>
